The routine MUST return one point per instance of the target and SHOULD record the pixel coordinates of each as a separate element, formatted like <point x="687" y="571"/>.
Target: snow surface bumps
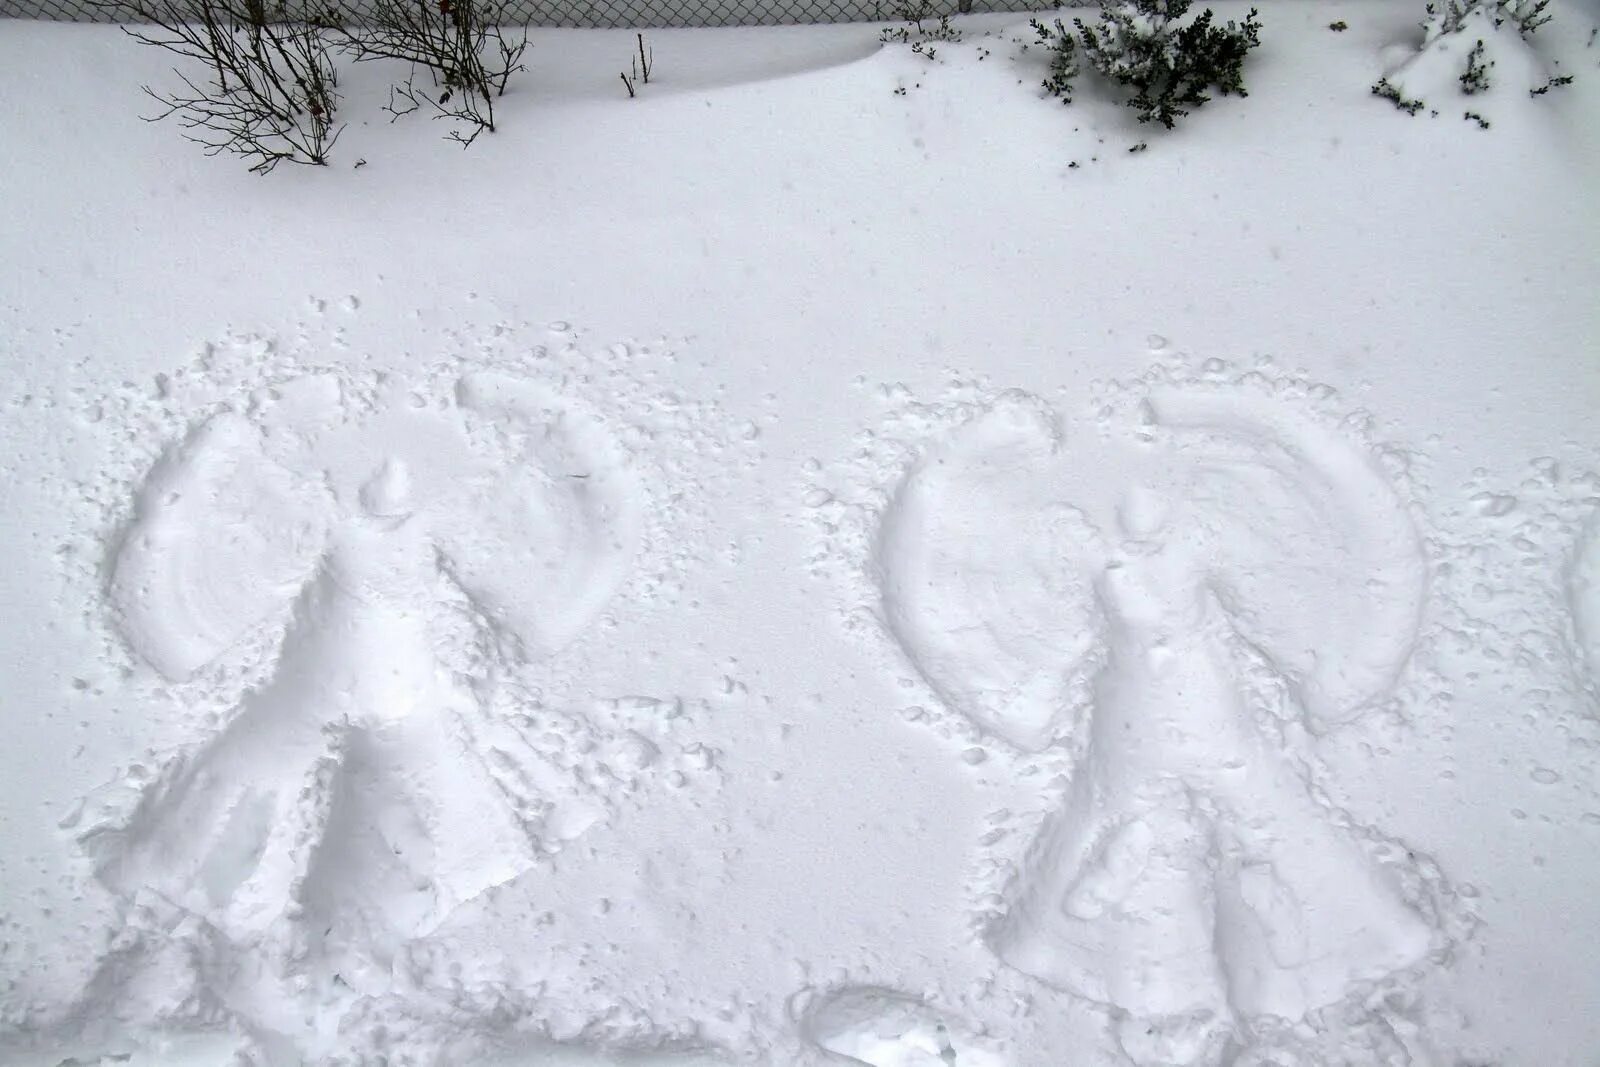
<point x="1256" y="574"/>
<point x="1178" y="598"/>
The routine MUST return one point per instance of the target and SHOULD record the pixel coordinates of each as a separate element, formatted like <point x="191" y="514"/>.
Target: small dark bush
<point x="922" y="30"/>
<point x="1475" y="79"/>
<point x="1064" y="65"/>
<point x="1551" y="83"/>
<point x="1386" y="89"/>
<point x="1145" y="46"/>
<point x="1526" y="15"/>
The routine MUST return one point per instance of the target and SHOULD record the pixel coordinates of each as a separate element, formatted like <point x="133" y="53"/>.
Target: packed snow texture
<point x="835" y="560"/>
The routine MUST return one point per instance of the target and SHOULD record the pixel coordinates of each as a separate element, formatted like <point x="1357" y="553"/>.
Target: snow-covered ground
<point x="835" y="560"/>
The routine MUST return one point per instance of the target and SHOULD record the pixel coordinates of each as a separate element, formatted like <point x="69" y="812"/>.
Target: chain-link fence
<point x="611" y="13"/>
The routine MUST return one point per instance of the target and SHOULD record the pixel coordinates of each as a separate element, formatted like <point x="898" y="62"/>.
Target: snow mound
<point x="1473" y="56"/>
<point x="885" y="1028"/>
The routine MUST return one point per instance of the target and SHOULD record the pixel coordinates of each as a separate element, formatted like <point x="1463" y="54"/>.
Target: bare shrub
<point x="268" y="91"/>
<point x="460" y="59"/>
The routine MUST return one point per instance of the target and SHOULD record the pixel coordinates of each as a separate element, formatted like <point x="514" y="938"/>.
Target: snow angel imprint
<point x="345" y="793"/>
<point x="1192" y="878"/>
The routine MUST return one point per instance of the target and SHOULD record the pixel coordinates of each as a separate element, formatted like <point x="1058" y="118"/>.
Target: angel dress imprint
<point x="1583" y="597"/>
<point x="1192" y="879"/>
<point x="344" y="806"/>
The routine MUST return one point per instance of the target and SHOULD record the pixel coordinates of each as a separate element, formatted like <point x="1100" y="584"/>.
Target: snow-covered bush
<point x="1451" y="16"/>
<point x="457" y="45"/>
<point x="1464" y="42"/>
<point x="261" y="85"/>
<point x="1064" y="65"/>
<point x="1149" y="47"/>
<point x="1389" y="91"/>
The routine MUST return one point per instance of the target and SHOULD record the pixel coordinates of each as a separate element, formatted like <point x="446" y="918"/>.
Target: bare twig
<point x="460" y="46"/>
<point x="269" y="93"/>
<point x="645" y="60"/>
<point x="638" y="68"/>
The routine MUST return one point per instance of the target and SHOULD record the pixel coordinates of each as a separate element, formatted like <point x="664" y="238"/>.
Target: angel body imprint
<point x="1191" y="878"/>
<point x="345" y="794"/>
<point x="1189" y="851"/>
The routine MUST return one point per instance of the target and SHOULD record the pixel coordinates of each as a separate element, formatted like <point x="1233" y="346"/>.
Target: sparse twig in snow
<point x="459" y="44"/>
<point x="639" y="67"/>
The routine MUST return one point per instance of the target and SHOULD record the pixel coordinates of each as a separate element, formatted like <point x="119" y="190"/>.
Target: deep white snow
<point x="838" y="560"/>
